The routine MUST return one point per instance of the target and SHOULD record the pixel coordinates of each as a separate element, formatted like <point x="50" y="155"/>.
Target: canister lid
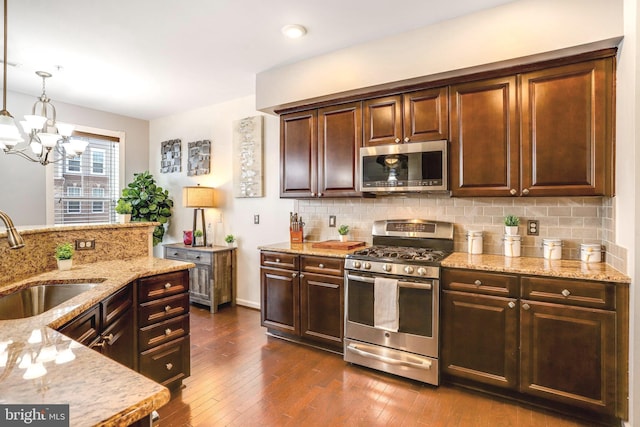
<point x="590" y="246"/>
<point x="551" y="241"/>
<point x="510" y="238"/>
<point x="474" y="233"/>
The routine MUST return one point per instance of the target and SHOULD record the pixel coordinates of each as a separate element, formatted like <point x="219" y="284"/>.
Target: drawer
<point x="163" y="285"/>
<point x="117" y="304"/>
<point x="167" y="364"/>
<point x="480" y="282"/>
<point x="162" y="309"/>
<point x="574" y="292"/>
<point x="322" y="265"/>
<point x="160" y="333"/>
<point x="191" y="255"/>
<point x="85" y="327"/>
<point x="279" y="260"/>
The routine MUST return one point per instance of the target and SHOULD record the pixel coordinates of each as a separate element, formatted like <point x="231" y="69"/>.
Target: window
<point x="86" y="189"/>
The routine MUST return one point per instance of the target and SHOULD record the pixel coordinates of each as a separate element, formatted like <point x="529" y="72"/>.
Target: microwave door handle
<point x="421" y="365"/>
<point x="414" y="285"/>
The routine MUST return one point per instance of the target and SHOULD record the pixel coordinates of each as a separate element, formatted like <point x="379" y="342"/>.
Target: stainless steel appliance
<point x="418" y="166"/>
<point x="392" y="298"/>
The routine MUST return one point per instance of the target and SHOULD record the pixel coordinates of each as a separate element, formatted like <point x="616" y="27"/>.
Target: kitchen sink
<point x="37" y="299"/>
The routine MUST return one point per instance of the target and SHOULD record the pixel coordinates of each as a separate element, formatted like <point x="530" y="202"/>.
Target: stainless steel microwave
<point x="416" y="166"/>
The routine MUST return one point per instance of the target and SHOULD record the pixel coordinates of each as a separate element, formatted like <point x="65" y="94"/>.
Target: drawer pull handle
<point x="167" y="308"/>
<point x="526" y="306"/>
<point x="565" y="293"/>
<point x="198" y="257"/>
<point x="321" y="265"/>
<point x="167" y="331"/>
<point x="169" y="366"/>
<point x="167" y="285"/>
<point x="175" y="254"/>
<point x="277" y="259"/>
<point x="511" y="304"/>
<point x="477" y="283"/>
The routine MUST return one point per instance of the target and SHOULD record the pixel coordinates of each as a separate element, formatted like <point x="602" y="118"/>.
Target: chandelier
<point x="44" y="132"/>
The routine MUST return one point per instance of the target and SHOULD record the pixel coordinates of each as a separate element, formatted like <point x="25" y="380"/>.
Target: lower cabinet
<point x="562" y="342"/>
<point x="302" y="297"/>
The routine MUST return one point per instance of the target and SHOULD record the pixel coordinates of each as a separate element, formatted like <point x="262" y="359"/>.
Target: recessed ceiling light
<point x="294" y="31"/>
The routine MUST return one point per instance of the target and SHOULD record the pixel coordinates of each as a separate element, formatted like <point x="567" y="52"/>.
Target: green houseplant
<point x="343" y="230"/>
<point x="229" y="238"/>
<point x="64" y="255"/>
<point x="124" y="208"/>
<point x="511" y="223"/>
<point x="149" y="202"/>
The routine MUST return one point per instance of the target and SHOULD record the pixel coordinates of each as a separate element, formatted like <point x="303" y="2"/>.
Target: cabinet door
<point x="480" y="338"/>
<point x="119" y="339"/>
<point x="339" y="142"/>
<point x="567" y="130"/>
<point x="426" y="115"/>
<point x="568" y="355"/>
<point x="200" y="284"/>
<point x="280" y="300"/>
<point x="383" y="120"/>
<point x="484" y="138"/>
<point x="85" y="328"/>
<point x="298" y="154"/>
<point x="322" y="308"/>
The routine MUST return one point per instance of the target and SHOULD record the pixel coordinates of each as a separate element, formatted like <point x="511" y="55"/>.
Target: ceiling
<point x="152" y="58"/>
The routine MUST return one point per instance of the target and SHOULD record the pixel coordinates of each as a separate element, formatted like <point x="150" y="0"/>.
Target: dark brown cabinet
<point x="108" y="327"/>
<point x="560" y="340"/>
<point x="319" y="152"/>
<point x="410" y="117"/>
<point x="163" y="328"/>
<point x="302" y="297"/>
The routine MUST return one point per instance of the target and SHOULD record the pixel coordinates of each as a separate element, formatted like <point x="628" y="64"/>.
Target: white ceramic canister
<point x="474" y="242"/>
<point x="512" y="246"/>
<point x="590" y="252"/>
<point x="552" y="248"/>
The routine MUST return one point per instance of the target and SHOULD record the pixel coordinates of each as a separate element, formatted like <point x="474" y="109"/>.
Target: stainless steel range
<point x="392" y="298"/>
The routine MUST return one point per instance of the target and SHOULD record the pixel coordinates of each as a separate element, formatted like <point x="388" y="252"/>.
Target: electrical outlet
<point x="533" y="227"/>
<point x="256" y="219"/>
<point x="85" y="244"/>
<point x="332" y="220"/>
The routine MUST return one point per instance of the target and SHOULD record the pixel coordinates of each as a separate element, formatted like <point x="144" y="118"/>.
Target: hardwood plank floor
<point x="242" y="377"/>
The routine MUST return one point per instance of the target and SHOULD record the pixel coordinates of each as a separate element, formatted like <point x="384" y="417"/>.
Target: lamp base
<point x="199" y="240"/>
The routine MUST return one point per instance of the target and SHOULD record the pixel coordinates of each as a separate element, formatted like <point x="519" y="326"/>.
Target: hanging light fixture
<point x="9" y="133"/>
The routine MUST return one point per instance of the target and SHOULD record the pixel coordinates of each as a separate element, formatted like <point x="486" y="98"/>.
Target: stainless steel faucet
<point x="15" y="239"/>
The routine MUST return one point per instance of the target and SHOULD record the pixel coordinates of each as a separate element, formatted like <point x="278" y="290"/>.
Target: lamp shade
<point x="198" y="197"/>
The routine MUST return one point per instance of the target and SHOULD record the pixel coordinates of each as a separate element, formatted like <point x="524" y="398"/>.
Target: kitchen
<point x="599" y="21"/>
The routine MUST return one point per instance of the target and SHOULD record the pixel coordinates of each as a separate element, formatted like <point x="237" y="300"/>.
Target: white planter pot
<point x="124" y="218"/>
<point x="511" y="230"/>
<point x="65" y="264"/>
<point x="344" y="238"/>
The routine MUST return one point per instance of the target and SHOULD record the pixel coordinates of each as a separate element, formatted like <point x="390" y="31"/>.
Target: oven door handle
<point x="401" y="284"/>
<point x="420" y="365"/>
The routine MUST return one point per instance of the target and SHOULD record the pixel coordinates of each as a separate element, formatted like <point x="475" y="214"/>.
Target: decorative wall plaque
<point x="171" y="159"/>
<point x="247" y="157"/>
<point x="199" y="157"/>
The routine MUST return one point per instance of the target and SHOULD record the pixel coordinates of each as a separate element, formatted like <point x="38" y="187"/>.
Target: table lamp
<point x="198" y="198"/>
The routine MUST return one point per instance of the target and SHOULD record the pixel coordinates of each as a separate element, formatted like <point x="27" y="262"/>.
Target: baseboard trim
<point x="246" y="303"/>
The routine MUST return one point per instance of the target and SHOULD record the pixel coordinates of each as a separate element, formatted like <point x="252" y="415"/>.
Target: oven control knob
<point x="356" y="264"/>
<point x="386" y="267"/>
<point x="367" y="266"/>
<point x="421" y="271"/>
<point x="408" y="269"/>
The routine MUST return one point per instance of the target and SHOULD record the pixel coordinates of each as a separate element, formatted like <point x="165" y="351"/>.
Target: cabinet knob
<point x="406" y="139"/>
<point x="511" y="304"/>
<point x="167" y="285"/>
<point x="294" y="274"/>
<point x="197" y="256"/>
<point x="277" y="259"/>
<point x="565" y="293"/>
<point x="167" y="308"/>
<point x="169" y="366"/>
<point x="301" y="275"/>
<point x="320" y="194"/>
<point x="313" y="194"/>
<point x="526" y="306"/>
<point x="525" y="191"/>
<point x="175" y="254"/>
<point x="167" y="331"/>
<point x="321" y="265"/>
<point x="397" y="140"/>
<point x="477" y="283"/>
<point x="513" y="192"/>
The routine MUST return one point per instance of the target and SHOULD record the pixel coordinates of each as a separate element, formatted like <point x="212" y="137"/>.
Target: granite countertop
<point x="98" y="390"/>
<point x="307" y="248"/>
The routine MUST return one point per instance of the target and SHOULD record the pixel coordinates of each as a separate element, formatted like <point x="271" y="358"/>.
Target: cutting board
<point x="337" y="244"/>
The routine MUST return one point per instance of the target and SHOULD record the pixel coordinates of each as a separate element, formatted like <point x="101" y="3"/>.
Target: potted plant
<point x="343" y="230"/>
<point x="229" y="238"/>
<point x="149" y="202"/>
<point x="198" y="236"/>
<point x="64" y="253"/>
<point x="123" y="209"/>
<point x="511" y="223"/>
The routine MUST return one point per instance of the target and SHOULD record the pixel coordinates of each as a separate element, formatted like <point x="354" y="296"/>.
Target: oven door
<point x="417" y="311"/>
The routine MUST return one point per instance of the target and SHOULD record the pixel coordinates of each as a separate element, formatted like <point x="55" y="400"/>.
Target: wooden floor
<point x="241" y="377"/>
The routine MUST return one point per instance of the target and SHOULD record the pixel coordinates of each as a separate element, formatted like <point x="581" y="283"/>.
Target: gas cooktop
<point x="399" y="254"/>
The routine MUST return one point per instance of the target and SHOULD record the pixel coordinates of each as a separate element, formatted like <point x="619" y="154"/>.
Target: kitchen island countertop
<point x="98" y="390"/>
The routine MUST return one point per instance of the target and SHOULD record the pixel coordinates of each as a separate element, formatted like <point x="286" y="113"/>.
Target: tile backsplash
<point x="574" y="220"/>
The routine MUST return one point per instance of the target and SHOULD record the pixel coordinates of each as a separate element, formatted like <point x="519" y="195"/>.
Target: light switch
<point x="332" y="220"/>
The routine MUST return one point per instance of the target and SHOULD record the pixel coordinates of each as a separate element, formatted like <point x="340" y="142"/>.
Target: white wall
<point x="22" y="183"/>
<point x="215" y="123"/>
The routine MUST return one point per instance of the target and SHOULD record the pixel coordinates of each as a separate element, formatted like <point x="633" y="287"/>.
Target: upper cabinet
<point x="319" y="152"/>
<point x="411" y="117"/>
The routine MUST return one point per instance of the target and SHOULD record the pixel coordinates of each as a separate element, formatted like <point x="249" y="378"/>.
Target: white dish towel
<point x="385" y="304"/>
